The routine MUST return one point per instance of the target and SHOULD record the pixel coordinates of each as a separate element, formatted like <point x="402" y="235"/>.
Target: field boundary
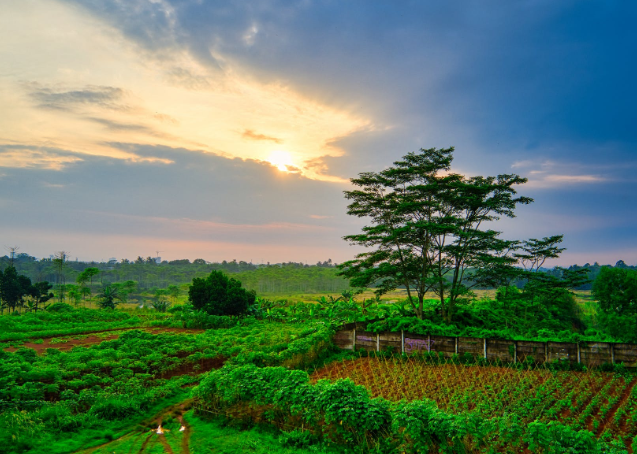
<point x="353" y="336"/>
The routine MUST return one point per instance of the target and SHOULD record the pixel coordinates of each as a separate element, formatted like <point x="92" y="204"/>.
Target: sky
<point x="229" y="130"/>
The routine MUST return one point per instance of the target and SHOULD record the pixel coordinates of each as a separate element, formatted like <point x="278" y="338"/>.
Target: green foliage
<point x="220" y="295"/>
<point x="426" y="228"/>
<point x="59" y="308"/>
<point x="109" y="297"/>
<point x="99" y="387"/>
<point x="616" y="290"/>
<point x="343" y="413"/>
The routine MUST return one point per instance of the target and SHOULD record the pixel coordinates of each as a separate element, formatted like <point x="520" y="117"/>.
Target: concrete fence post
<point x="377" y="342"/>
<point x="456" y="345"/>
<point x="354" y="340"/>
<point x="402" y="341"/>
<point x="484" y="342"/>
<point x="579" y="354"/>
<point x="612" y="353"/>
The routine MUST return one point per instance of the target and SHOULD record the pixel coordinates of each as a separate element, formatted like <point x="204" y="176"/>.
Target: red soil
<point x="93" y="339"/>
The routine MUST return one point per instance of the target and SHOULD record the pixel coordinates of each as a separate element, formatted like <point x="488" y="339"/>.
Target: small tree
<point x="87" y="275"/>
<point x="109" y="297"/>
<point x="219" y="295"/>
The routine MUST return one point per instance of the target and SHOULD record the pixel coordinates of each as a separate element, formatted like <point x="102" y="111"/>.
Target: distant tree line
<point x="149" y="275"/>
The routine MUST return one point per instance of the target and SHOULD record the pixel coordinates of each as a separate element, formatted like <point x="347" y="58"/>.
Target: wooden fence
<point x="353" y="336"/>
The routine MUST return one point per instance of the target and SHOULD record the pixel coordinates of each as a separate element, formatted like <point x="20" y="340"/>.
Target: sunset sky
<point x="229" y="130"/>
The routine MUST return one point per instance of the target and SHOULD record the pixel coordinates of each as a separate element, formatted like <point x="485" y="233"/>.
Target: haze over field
<point x="221" y="131"/>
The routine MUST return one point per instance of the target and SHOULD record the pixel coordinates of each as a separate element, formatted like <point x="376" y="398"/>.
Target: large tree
<point x="428" y="227"/>
<point x="219" y="295"/>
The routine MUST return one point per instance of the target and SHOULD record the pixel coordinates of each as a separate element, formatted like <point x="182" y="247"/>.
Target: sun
<point x="281" y="160"/>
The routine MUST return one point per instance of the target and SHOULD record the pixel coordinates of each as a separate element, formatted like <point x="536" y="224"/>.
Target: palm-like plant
<point x="109" y="297"/>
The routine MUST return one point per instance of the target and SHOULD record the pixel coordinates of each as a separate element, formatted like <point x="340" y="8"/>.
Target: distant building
<point x="157" y="259"/>
<point x="112" y="261"/>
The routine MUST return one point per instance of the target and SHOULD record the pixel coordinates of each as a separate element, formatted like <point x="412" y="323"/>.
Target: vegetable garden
<point x="601" y="402"/>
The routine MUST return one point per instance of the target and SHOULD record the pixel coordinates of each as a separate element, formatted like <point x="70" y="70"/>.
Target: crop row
<point x="600" y="402"/>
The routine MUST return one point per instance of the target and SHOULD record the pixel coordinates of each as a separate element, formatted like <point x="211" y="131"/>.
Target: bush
<point x="60" y="307"/>
<point x="219" y="295"/>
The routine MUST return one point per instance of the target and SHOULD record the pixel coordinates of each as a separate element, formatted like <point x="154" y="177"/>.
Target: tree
<point x="219" y="295"/>
<point x="427" y="227"/>
<point x="41" y="293"/>
<point x="125" y="288"/>
<point x="174" y="291"/>
<point x="59" y="263"/>
<point x="109" y="297"/>
<point x="13" y="288"/>
<point x="616" y="290"/>
<point x="160" y="301"/>
<point x="87" y="275"/>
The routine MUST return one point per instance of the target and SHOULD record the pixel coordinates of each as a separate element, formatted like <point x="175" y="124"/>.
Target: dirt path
<point x="88" y="339"/>
<point x="151" y="436"/>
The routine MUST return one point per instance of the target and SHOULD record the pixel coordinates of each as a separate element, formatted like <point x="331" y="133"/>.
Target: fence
<point x="353" y="336"/>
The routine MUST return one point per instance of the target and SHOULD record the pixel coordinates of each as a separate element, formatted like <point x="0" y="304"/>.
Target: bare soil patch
<point x="66" y="343"/>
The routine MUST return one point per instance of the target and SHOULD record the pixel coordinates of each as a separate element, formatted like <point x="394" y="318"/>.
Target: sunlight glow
<point x="281" y="160"/>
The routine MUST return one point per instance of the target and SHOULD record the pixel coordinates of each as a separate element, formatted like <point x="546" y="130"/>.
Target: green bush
<point x="219" y="295"/>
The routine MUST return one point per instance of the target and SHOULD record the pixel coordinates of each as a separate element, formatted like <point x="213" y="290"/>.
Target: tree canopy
<point x="616" y="290"/>
<point x="429" y="228"/>
<point x="219" y="295"/>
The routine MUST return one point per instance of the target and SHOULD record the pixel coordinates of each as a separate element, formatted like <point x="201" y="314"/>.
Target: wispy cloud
<point x="104" y="97"/>
<point x="25" y="158"/>
<point x="250" y="134"/>
<point x="551" y="173"/>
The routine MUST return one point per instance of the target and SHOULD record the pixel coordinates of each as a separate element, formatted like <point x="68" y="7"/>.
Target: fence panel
<point x="344" y="339"/>
<point x="595" y="353"/>
<point x="444" y="344"/>
<point x="562" y="351"/>
<point x="471" y="345"/>
<point x="625" y="353"/>
<point x="365" y="340"/>
<point x="416" y="343"/>
<point x="500" y="349"/>
<point x="391" y="341"/>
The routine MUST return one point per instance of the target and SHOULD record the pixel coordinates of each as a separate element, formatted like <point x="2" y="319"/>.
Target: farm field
<point x="600" y="402"/>
<point x="72" y="392"/>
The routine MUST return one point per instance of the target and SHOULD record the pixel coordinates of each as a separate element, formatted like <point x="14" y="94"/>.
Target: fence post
<point x="484" y="340"/>
<point x="612" y="353"/>
<point x="377" y="342"/>
<point x="579" y="354"/>
<point x="546" y="352"/>
<point x="402" y="341"/>
<point x="515" y="352"/>
<point x="456" y="345"/>
<point x="354" y="341"/>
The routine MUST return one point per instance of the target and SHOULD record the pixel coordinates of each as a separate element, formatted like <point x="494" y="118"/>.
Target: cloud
<point x="70" y="100"/>
<point x="205" y="198"/>
<point x="250" y="134"/>
<point x="16" y="156"/>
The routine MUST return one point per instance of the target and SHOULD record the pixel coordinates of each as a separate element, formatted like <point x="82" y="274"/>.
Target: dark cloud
<point x="250" y="134"/>
<point x="69" y="100"/>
